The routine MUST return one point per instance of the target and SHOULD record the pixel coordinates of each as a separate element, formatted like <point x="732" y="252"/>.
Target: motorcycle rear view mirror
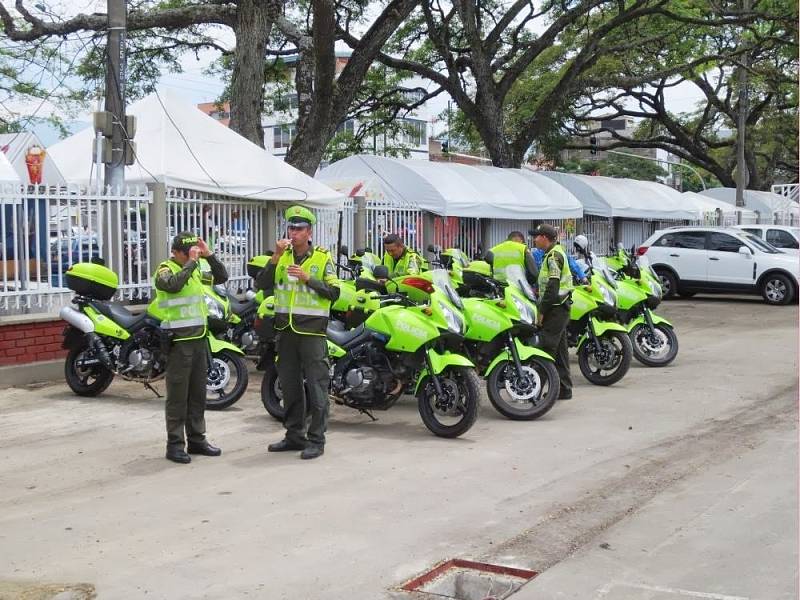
<point x="380" y="272"/>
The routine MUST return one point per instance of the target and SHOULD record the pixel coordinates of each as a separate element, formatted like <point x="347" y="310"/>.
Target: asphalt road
<point x="675" y="483"/>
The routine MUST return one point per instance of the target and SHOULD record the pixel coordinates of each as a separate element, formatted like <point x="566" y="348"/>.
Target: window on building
<point x="219" y="115"/>
<point x="286" y="102"/>
<point x="348" y="126"/>
<point x="414" y="133"/>
<point x="283" y="135"/>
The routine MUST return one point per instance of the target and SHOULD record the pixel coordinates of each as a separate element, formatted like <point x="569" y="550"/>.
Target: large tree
<point x="263" y="30"/>
<point x="507" y="80"/>
<point x="709" y="59"/>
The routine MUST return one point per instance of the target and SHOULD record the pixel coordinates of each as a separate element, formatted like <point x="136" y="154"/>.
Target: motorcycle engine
<point x="140" y="360"/>
<point x="141" y="355"/>
<point x="368" y="379"/>
<point x="360" y="379"/>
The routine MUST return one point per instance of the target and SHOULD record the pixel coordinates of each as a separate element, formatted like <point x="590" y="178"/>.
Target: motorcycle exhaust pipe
<point x="76" y="319"/>
<point x="83" y="323"/>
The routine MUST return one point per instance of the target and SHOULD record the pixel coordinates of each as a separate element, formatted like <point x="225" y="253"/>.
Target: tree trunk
<point x="253" y="26"/>
<point x="490" y="127"/>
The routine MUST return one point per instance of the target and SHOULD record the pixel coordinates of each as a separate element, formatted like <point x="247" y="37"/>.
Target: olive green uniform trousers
<point x="553" y="340"/>
<point x="186" y="376"/>
<point x="304" y="358"/>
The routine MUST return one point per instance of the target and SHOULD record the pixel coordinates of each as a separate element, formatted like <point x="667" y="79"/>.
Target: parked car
<point x="784" y="238"/>
<point x="719" y="259"/>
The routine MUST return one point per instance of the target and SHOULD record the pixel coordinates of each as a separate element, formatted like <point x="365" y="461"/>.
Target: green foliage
<point x="617" y="166"/>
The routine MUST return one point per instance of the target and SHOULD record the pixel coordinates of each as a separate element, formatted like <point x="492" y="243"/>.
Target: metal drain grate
<point x="468" y="580"/>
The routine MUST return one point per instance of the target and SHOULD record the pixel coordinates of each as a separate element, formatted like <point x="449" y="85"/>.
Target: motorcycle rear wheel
<point x="610" y="367"/>
<point x="543" y="391"/>
<point x="227" y="382"/>
<point x="85" y="381"/>
<point x="271" y="396"/>
<point x="654" y="353"/>
<point x="436" y="413"/>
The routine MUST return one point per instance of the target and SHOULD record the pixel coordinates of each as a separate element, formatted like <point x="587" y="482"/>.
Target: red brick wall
<point x="31" y="342"/>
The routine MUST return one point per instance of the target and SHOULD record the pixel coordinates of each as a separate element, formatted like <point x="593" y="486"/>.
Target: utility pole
<point x="115" y="90"/>
<point x="742" y="176"/>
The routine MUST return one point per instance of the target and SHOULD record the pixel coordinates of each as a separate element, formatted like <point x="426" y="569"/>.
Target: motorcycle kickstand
<point x="368" y="413"/>
<point x="152" y="389"/>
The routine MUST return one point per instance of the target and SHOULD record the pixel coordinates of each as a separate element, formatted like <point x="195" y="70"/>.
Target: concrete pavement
<point x="87" y="496"/>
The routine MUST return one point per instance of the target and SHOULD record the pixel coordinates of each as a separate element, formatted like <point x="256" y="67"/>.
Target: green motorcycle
<point x="521" y="380"/>
<point x="604" y="348"/>
<point x="400" y="346"/>
<point x="105" y="339"/>
<point x="639" y="292"/>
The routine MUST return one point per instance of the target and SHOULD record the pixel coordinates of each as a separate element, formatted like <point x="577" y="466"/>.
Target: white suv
<point x="786" y="239"/>
<point x="718" y="259"/>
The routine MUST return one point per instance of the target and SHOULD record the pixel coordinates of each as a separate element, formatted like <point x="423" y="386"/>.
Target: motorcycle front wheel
<point x="85" y="380"/>
<point x="655" y="348"/>
<point x="455" y="412"/>
<point x="526" y="398"/>
<point x="608" y="364"/>
<point x="227" y="380"/>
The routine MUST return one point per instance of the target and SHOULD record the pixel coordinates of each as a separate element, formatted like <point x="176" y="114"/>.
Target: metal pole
<point x="742" y="175"/>
<point x="115" y="90"/>
<point x="667" y="162"/>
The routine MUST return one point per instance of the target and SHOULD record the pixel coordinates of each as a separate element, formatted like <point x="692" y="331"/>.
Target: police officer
<point x="399" y="259"/>
<point x="512" y="252"/>
<point x="303" y="281"/>
<point x="555" y="290"/>
<point x="180" y="304"/>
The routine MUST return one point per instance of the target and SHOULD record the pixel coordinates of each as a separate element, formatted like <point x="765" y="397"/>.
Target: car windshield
<point x="765" y="247"/>
<point x="441" y="279"/>
<point x="516" y="277"/>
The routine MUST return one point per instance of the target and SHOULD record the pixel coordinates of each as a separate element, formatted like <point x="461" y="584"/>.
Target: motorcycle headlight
<point x="608" y="296"/>
<point x="525" y="312"/>
<point x="214" y="308"/>
<point x="655" y="289"/>
<point x="454" y="322"/>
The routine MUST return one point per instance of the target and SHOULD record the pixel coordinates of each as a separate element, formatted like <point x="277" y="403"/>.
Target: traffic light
<point x="592" y="145"/>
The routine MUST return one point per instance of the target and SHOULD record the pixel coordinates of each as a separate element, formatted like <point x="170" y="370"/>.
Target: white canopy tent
<point x="15" y="147"/>
<point x="626" y="198"/>
<point x="708" y="206"/>
<point x="8" y="175"/>
<point x="182" y="147"/>
<point x="450" y="189"/>
<point x="766" y="203"/>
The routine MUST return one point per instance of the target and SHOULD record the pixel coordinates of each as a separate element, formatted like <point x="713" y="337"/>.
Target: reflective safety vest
<point x="297" y="306"/>
<point x="506" y="254"/>
<point x="206" y="276"/>
<point x="184" y="312"/>
<point x="565" y="286"/>
<point x="410" y="263"/>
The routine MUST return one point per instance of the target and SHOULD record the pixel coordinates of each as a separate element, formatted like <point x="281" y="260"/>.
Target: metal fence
<point x="45" y="230"/>
<point x="787" y="190"/>
<point x="600" y="233"/>
<point x="455" y="232"/>
<point x="232" y="227"/>
<point x="383" y="219"/>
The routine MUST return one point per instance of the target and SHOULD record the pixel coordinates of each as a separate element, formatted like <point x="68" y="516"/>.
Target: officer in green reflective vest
<point x="555" y="292"/>
<point x="399" y="259"/>
<point x="512" y="252"/>
<point x="181" y="306"/>
<point x="303" y="280"/>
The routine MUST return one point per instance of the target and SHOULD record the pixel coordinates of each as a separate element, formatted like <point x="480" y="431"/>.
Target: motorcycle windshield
<point x="515" y="276"/>
<point x="599" y="265"/>
<point x="644" y="265"/>
<point x="369" y="262"/>
<point x="441" y="280"/>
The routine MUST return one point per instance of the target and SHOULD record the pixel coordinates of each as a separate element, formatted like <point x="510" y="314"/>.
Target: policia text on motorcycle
<point x="180" y="304"/>
<point x="398" y="258"/>
<point x="303" y="280"/>
<point x="555" y="290"/>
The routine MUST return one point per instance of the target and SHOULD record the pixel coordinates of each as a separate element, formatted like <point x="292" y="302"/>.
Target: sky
<point x="194" y="86"/>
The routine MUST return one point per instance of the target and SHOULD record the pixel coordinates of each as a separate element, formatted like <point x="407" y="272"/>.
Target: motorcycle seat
<point x="238" y="307"/>
<point x="119" y="314"/>
<point x="346" y="337"/>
